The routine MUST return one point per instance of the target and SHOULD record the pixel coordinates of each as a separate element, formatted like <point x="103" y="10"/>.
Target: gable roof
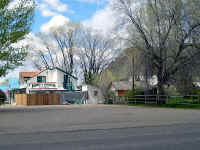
<point x="65" y="72"/>
<point x="26" y="74"/>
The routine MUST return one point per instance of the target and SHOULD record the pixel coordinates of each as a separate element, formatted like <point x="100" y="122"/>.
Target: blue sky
<point x="74" y="10"/>
<point x="96" y="14"/>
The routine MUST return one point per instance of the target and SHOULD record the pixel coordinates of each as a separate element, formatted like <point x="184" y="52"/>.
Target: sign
<point x="44" y="85"/>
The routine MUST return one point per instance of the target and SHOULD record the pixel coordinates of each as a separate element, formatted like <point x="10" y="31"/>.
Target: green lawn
<point x="190" y="102"/>
<point x="183" y="106"/>
<point x="186" y="100"/>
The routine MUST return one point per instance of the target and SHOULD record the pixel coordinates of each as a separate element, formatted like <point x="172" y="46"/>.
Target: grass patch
<point x="181" y="106"/>
<point x="186" y="100"/>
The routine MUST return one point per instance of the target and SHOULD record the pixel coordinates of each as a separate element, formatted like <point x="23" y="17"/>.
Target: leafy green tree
<point x="15" y="22"/>
<point x="166" y="32"/>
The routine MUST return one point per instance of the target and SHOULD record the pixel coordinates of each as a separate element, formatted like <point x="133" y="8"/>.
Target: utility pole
<point x="133" y="73"/>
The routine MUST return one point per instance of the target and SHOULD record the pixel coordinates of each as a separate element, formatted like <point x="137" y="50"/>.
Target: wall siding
<point x="37" y="99"/>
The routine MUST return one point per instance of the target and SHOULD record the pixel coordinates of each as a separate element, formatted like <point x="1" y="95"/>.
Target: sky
<point x="57" y="12"/>
<point x="97" y="14"/>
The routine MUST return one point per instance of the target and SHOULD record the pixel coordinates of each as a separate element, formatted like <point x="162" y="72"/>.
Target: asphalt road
<point x="98" y="128"/>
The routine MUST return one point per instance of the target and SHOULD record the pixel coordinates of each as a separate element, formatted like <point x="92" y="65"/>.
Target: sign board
<point x="44" y="85"/>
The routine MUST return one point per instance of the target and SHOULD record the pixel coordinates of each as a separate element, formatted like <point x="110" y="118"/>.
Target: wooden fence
<point x="37" y="99"/>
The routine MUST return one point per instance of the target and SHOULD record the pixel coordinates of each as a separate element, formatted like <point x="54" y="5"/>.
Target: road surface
<point x="98" y="127"/>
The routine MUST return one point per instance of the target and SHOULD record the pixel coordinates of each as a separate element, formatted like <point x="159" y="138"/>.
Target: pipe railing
<point x="155" y="99"/>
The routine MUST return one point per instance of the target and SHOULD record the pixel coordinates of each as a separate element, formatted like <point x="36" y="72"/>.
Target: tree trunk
<point x="160" y="92"/>
<point x="160" y="88"/>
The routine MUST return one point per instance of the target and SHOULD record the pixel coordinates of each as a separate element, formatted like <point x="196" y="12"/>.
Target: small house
<point x="52" y="79"/>
<point x="121" y="87"/>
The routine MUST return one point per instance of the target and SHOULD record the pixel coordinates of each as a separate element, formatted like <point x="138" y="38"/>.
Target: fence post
<point x="167" y="99"/>
<point x="199" y="99"/>
<point x="192" y="99"/>
<point x="145" y="99"/>
<point x="182" y="99"/>
<point x="135" y="100"/>
<point x="157" y="99"/>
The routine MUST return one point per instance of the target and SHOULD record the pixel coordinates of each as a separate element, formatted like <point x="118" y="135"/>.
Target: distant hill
<point x="122" y="65"/>
<point x="118" y="70"/>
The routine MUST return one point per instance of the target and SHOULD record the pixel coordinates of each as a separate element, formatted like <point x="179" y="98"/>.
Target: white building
<point x="48" y="80"/>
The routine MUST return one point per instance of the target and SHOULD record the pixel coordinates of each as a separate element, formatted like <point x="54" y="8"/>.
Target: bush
<point x="2" y="97"/>
<point x="139" y="92"/>
<point x="109" y="97"/>
<point x="108" y="101"/>
<point x="132" y="93"/>
<point x="110" y="94"/>
<point x="129" y="94"/>
<point x="171" y="90"/>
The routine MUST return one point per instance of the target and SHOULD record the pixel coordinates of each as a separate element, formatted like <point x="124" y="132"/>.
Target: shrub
<point x="2" y="96"/>
<point x="129" y="94"/>
<point x="110" y="94"/>
<point x="132" y="93"/>
<point x="139" y="92"/>
<point x="171" y="90"/>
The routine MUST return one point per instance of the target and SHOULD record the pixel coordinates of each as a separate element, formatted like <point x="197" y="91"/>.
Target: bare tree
<point x="59" y="48"/>
<point x="95" y="54"/>
<point x="166" y="31"/>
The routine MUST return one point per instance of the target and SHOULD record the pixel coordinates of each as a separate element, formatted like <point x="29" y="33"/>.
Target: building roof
<point x="33" y="74"/>
<point x="65" y="72"/>
<point x="59" y="70"/>
<point x="26" y="74"/>
<point x="122" y="85"/>
<point x="127" y="85"/>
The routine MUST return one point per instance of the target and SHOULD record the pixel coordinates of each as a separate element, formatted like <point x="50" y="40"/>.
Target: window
<point x="26" y="79"/>
<point x="67" y="84"/>
<point x="41" y="79"/>
<point x="66" y="79"/>
<point x="95" y="93"/>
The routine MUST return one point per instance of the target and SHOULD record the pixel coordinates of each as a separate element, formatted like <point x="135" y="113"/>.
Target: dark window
<point x="67" y="83"/>
<point x="95" y="93"/>
<point x="66" y="79"/>
<point x="26" y="79"/>
<point x="41" y="79"/>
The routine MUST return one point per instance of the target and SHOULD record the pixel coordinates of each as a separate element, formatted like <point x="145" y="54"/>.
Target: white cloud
<point x="46" y="12"/>
<point x="103" y="20"/>
<point x="30" y="40"/>
<point x="15" y="3"/>
<point x="53" y="7"/>
<point x="55" y="22"/>
<point x="94" y="1"/>
<point x="25" y="68"/>
<point x="57" y="5"/>
<point x="107" y="21"/>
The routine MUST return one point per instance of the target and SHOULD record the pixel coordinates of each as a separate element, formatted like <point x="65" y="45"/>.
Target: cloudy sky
<point x="57" y="12"/>
<point x="53" y="13"/>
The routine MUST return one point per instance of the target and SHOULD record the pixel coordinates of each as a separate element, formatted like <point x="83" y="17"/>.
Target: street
<point x="100" y="127"/>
